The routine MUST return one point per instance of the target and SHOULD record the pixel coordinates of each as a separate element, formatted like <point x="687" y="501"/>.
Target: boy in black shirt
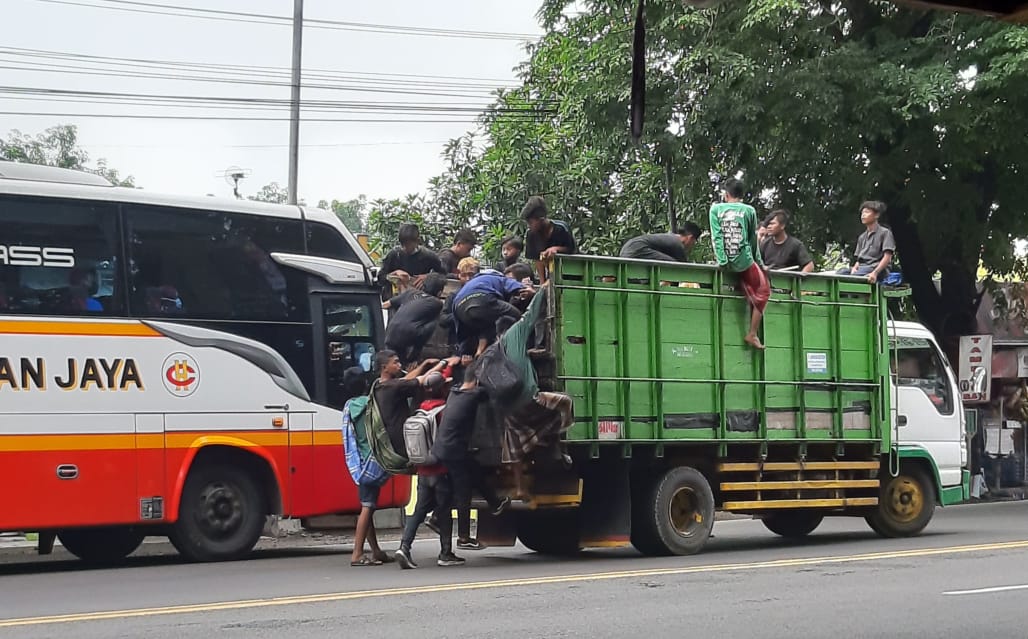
<point x="782" y="251"/>
<point x="451" y="447"/>
<point x="415" y="318"/>
<point x="545" y="237"/>
<point x="463" y="244"/>
<point x="409" y="263"/>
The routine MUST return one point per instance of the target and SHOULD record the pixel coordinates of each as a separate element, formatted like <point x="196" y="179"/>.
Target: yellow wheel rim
<point x="904" y="499"/>
<point x="684" y="512"/>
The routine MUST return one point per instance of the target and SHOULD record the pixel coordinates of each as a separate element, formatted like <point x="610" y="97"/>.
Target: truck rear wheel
<point x="675" y="515"/>
<point x="221" y="515"/>
<point x="101" y="545"/>
<point x="906" y="504"/>
<point x="550" y="532"/>
<point x="793" y="524"/>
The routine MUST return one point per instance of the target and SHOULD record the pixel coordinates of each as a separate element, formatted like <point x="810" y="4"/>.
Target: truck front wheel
<point x="793" y="524"/>
<point x="101" y="545"/>
<point x="675" y="516"/>
<point x="221" y="515"/>
<point x="906" y="504"/>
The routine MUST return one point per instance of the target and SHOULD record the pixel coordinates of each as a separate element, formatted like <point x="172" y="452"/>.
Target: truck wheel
<point x="221" y="515"/>
<point x="793" y="525"/>
<point x="101" y="545"/>
<point x="550" y="532"/>
<point x="677" y="515"/>
<point x="906" y="504"/>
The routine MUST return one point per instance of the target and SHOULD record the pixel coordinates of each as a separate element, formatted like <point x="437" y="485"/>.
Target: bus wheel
<point x="675" y="516"/>
<point x="101" y="545"/>
<point x="794" y="524"/>
<point x="221" y="515"/>
<point x="906" y="504"/>
<point x="550" y="532"/>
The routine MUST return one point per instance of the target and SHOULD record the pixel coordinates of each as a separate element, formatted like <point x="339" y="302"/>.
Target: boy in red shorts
<point x="733" y="230"/>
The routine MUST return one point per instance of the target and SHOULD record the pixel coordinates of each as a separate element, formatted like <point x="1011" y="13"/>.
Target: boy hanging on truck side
<point x="733" y="231"/>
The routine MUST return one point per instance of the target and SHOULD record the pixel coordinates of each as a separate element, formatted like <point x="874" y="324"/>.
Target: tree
<point x="57" y="146"/>
<point x="352" y="213"/>
<point x="819" y="105"/>
<point x="271" y="193"/>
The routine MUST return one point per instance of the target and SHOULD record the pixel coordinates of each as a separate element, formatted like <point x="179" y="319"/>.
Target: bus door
<point x="347" y="334"/>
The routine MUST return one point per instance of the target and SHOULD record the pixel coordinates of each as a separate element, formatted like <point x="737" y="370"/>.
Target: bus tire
<point x="906" y="504"/>
<point x="793" y="524"/>
<point x="101" y="545"/>
<point x="221" y="514"/>
<point x="550" y="532"/>
<point x="676" y="516"/>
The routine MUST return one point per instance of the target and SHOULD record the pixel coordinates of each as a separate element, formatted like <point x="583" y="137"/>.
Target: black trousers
<point x="478" y="314"/>
<point x="467" y="475"/>
<point x="435" y="492"/>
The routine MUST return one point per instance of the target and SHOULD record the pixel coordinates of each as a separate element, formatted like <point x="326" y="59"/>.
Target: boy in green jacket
<point x="733" y="230"/>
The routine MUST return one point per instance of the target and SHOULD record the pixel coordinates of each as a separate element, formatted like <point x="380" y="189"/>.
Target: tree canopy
<point x="57" y="146"/>
<point x="819" y="106"/>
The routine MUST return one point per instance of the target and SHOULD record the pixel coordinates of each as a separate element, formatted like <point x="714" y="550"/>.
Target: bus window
<point x="214" y="265"/>
<point x="325" y="241"/>
<point x="58" y="257"/>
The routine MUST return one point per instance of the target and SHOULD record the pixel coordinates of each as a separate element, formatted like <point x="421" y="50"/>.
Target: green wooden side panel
<point x="654" y="351"/>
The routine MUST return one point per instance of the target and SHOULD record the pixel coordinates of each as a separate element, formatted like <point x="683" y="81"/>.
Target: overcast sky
<point x="337" y="159"/>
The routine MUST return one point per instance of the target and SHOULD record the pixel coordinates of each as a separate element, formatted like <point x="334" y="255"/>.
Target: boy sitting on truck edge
<point x="733" y="231"/>
<point x="435" y="493"/>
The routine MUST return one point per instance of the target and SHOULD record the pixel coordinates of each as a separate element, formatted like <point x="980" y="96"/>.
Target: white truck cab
<point x="928" y="416"/>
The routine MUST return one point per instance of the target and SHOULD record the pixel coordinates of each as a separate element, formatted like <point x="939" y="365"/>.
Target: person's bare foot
<point x="754" y="341"/>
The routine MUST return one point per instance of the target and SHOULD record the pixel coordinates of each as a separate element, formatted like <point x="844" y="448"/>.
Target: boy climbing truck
<point x="845" y="413"/>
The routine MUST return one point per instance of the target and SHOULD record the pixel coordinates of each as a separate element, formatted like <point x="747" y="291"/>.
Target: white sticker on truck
<point x="817" y="363"/>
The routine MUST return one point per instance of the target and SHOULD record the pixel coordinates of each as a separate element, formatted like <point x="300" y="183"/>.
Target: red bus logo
<point x="181" y="375"/>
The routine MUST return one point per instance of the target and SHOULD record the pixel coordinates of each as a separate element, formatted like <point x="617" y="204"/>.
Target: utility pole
<point x="294" y="115"/>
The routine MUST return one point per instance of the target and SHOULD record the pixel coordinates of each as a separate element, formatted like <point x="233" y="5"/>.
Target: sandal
<point x="366" y="561"/>
<point x="384" y="558"/>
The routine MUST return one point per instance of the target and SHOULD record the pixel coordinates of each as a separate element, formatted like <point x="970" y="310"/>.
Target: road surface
<point x="967" y="576"/>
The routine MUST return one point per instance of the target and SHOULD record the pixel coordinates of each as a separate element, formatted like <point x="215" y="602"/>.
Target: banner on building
<point x="975" y="368"/>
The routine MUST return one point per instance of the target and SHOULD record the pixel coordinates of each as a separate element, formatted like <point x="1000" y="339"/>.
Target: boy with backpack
<point x="435" y="490"/>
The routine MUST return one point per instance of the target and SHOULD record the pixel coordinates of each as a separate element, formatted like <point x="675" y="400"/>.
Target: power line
<point x="277" y="20"/>
<point x="264" y="146"/>
<point x="236" y="69"/>
<point x="134" y="116"/>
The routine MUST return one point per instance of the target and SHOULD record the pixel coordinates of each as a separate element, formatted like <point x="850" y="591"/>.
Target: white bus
<point x="173" y="365"/>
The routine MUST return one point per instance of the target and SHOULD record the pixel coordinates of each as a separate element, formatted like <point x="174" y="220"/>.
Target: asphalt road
<point x="967" y="576"/>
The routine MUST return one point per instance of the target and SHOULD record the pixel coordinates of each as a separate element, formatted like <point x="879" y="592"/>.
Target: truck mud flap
<point x="497" y="531"/>
<point x="606" y="511"/>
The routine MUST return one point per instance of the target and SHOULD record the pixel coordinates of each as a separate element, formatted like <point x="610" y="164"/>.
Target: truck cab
<point x="928" y="427"/>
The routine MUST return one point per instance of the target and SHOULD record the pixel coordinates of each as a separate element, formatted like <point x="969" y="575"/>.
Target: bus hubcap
<point x="221" y="509"/>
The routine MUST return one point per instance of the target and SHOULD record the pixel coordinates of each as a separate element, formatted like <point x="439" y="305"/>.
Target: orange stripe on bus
<point x="20" y="327"/>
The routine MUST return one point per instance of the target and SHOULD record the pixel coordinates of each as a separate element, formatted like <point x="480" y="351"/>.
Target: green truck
<point x="846" y="412"/>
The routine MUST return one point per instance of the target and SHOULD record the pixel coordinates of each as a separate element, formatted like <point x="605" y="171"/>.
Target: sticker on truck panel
<point x="181" y="375"/>
<point x="609" y="430"/>
<point x="817" y="363"/>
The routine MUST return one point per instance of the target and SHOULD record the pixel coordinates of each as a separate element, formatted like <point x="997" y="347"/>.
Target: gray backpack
<point x="419" y="435"/>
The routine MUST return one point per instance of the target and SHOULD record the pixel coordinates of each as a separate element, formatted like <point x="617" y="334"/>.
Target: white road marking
<point x="985" y="591"/>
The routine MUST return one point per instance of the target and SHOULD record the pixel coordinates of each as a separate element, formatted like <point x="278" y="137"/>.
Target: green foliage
<point x="352" y="213"/>
<point x="57" y="146"/>
<point x="273" y="193"/>
<point x="819" y="105"/>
